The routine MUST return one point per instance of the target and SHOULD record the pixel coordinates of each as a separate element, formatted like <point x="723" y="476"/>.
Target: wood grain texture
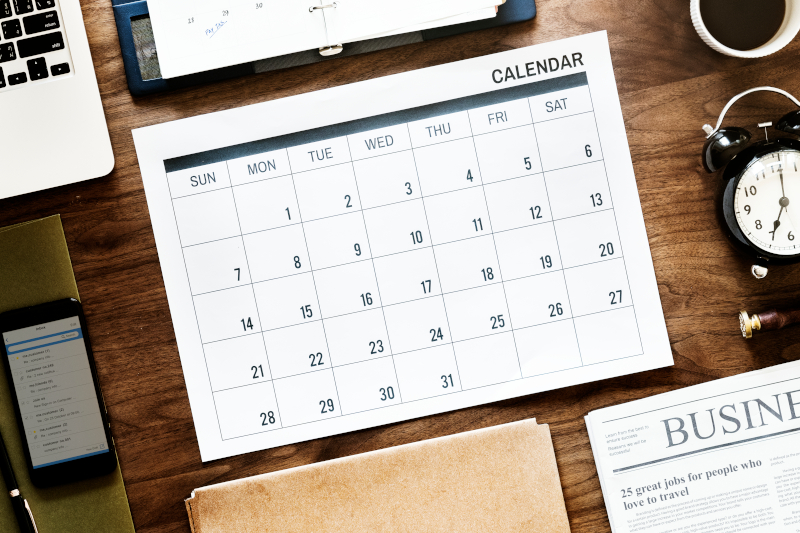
<point x="670" y="84"/>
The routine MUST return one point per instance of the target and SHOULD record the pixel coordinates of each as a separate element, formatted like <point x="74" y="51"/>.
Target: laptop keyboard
<point x="33" y="46"/>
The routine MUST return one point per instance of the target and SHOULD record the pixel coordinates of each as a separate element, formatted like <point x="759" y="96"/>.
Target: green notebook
<point x="35" y="268"/>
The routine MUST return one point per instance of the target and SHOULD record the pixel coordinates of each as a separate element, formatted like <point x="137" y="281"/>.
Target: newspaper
<point x="723" y="456"/>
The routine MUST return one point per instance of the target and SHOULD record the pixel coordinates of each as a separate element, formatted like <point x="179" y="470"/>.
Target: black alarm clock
<point x="759" y="207"/>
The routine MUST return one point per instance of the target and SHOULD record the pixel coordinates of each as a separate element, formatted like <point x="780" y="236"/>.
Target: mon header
<point x="533" y="68"/>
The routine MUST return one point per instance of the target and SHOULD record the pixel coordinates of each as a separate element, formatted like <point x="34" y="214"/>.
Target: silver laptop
<point x="52" y="127"/>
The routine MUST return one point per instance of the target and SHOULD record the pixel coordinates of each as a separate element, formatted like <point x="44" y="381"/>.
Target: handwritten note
<point x="210" y="32"/>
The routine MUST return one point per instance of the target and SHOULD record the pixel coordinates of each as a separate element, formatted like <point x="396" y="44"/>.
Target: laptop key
<point x="40" y="22"/>
<point x="61" y="68"/>
<point x="7" y="52"/>
<point x="11" y="29"/>
<point x="37" y="68"/>
<point x="41" y="44"/>
<point x="2" y="79"/>
<point x="23" y="6"/>
<point x="45" y="4"/>
<point x="5" y="8"/>
<point x="16" y="79"/>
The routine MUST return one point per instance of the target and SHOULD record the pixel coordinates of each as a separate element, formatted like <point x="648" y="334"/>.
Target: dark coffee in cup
<point x="743" y="24"/>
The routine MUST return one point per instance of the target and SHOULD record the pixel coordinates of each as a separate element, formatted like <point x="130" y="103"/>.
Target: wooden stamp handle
<point x="767" y="320"/>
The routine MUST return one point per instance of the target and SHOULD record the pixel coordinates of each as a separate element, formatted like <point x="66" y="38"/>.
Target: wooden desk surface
<point x="670" y="84"/>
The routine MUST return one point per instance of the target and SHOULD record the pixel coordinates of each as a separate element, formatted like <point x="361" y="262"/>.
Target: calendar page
<point x="199" y="35"/>
<point x="403" y="246"/>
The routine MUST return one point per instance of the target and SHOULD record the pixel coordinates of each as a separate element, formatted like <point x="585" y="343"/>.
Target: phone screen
<point x="55" y="391"/>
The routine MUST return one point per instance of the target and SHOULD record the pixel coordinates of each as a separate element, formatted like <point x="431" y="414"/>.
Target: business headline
<point x="678" y="487"/>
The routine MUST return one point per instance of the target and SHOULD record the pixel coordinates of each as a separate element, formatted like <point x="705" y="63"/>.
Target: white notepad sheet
<point x="200" y="35"/>
<point x="403" y="246"/>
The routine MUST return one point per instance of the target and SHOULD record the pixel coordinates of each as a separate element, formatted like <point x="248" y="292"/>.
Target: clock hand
<point x="777" y="223"/>
<point x="783" y="193"/>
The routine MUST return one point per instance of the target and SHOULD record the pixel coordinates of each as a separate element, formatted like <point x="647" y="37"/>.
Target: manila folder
<point x="498" y="479"/>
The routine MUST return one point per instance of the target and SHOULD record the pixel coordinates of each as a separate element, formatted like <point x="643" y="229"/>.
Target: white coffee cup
<point x="788" y="30"/>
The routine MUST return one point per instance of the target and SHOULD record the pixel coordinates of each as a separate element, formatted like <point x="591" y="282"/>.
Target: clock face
<point x="767" y="202"/>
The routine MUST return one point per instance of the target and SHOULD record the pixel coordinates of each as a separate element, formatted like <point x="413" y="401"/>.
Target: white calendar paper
<point x="200" y="35"/>
<point x="403" y="246"/>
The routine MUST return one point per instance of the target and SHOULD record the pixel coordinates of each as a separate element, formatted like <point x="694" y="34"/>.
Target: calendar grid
<point x="494" y="242"/>
<point x="310" y="188"/>
<point x="402" y="252"/>
<point x="428" y="397"/>
<point x="311" y="271"/>
<point x="448" y="393"/>
<point x="258" y="314"/>
<point x="488" y="284"/>
<point x="558" y="246"/>
<point x="406" y="201"/>
<point x="194" y="308"/>
<point x="375" y="272"/>
<point x="423" y="349"/>
<point x="605" y="171"/>
<point x="436" y="264"/>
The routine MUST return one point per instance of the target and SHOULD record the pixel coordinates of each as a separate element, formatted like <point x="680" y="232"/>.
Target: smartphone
<point x="57" y="400"/>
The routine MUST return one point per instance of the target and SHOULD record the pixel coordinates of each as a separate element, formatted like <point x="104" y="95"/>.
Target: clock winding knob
<point x="758" y="271"/>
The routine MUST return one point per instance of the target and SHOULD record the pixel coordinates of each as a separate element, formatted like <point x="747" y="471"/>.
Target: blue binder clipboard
<point x="140" y="55"/>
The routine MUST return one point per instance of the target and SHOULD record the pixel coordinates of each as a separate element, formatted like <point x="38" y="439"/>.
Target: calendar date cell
<point x="447" y="167"/>
<point x="569" y="141"/>
<point x="287" y="301"/>
<point x="397" y="228"/>
<point x="247" y="410"/>
<point x="367" y="385"/>
<point x="487" y="360"/>
<point x="528" y="251"/>
<point x="597" y="346"/>
<point x="216" y="265"/>
<point x="538" y="299"/>
<point x="337" y="241"/>
<point x="457" y="215"/>
<point x="347" y="289"/>
<point x="327" y="192"/>
<point x="578" y="190"/>
<point x="277" y="253"/>
<point x="588" y="239"/>
<point x="206" y="217"/>
<point x="407" y="276"/>
<point x="297" y="349"/>
<point x="508" y="154"/>
<point x="227" y="314"/>
<point x="416" y="325"/>
<point x="547" y="348"/>
<point x="357" y="337"/>
<point x="598" y="287"/>
<point x="307" y="397"/>
<point x="467" y="264"/>
<point x="387" y="179"/>
<point x="477" y="312"/>
<point x="427" y="373"/>
<point x="518" y="203"/>
<point x="266" y="204"/>
<point x="237" y="362"/>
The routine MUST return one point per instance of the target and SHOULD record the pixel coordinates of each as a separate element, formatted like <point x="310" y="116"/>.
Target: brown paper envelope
<point x="499" y="479"/>
<point x="35" y="268"/>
